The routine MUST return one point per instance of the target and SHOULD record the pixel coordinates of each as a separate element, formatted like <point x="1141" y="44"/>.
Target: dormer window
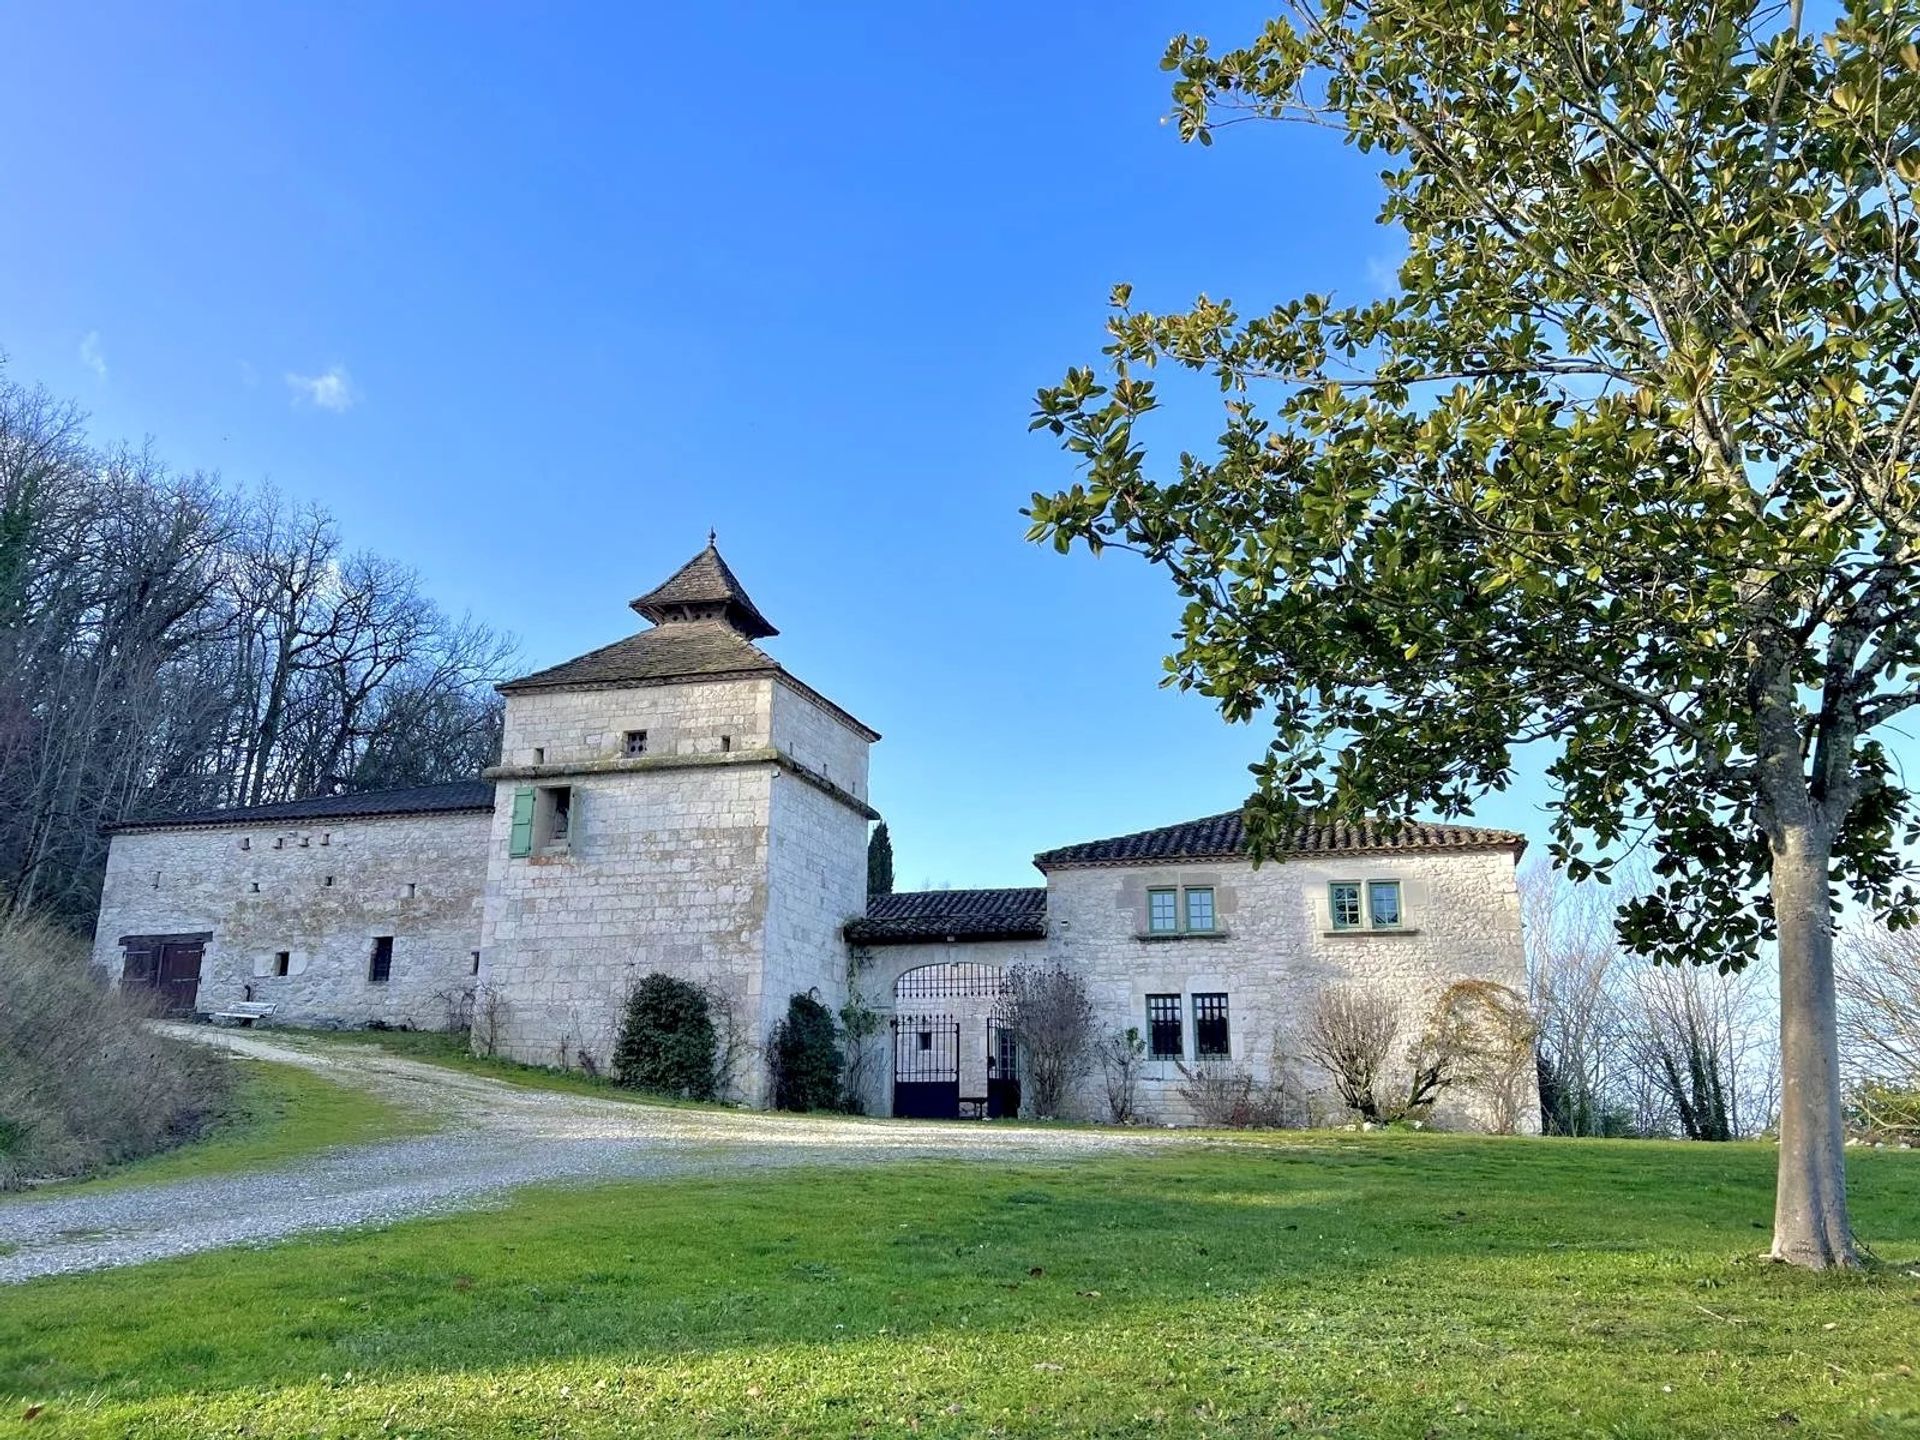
<point x="634" y="744"/>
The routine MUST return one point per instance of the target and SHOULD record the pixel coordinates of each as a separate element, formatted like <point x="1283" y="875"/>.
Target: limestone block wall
<point x="665" y="871"/>
<point x="820" y="740"/>
<point x="816" y="882"/>
<point x="1462" y="921"/>
<point x="322" y="893"/>
<point x="570" y="727"/>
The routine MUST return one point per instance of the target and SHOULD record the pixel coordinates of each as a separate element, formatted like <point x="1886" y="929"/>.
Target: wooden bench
<point x="244" y="1012"/>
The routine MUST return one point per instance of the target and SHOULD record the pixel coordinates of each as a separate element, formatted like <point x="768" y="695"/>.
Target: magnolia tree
<point x="1625" y="467"/>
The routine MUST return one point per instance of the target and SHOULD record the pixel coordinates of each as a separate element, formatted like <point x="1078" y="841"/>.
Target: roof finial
<point x="712" y="535"/>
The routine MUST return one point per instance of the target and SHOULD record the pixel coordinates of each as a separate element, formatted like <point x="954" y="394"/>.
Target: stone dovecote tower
<point x="675" y="802"/>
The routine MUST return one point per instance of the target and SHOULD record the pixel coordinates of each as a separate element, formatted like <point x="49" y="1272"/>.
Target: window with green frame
<point x="1199" y="907"/>
<point x="1383" y="904"/>
<point x="1163" y="912"/>
<point x="1343" y="904"/>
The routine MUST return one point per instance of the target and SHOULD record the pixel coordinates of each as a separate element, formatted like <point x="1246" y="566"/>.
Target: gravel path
<point x="492" y="1138"/>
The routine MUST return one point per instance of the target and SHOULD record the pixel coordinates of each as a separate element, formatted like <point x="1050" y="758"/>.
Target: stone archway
<point x="950" y="1058"/>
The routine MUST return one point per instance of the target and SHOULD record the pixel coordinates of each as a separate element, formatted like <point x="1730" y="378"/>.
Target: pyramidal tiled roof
<point x="702" y="582"/>
<point x="684" y="649"/>
<point x="447" y="799"/>
<point x="1223" y="837"/>
<point x="704" y="628"/>
<point x="952" y="914"/>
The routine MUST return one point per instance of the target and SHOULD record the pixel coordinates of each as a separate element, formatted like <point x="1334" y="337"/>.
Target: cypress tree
<point x="880" y="861"/>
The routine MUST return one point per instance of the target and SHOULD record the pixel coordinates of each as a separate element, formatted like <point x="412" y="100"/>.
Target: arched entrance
<point x="952" y="1058"/>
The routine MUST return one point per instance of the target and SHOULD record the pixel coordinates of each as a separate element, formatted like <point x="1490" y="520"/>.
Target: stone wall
<point x="321" y="893"/>
<point x="879" y="969"/>
<point x="817" y="738"/>
<point x="1278" y="951"/>
<point x="665" y="871"/>
<point x="816" y="882"/>
<point x="571" y="727"/>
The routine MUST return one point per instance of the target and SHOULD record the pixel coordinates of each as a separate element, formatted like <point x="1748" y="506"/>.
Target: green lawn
<point x="278" y="1112"/>
<point x="438" y="1047"/>
<point x="1394" y="1285"/>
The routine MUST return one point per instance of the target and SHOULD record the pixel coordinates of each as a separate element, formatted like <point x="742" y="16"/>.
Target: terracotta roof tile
<point x="952" y="914"/>
<point x="1220" y="837"/>
<point x="451" y="798"/>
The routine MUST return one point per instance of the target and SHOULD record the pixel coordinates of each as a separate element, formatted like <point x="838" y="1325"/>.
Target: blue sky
<point x="529" y="297"/>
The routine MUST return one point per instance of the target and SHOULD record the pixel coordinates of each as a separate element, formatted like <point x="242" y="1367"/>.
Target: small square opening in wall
<point x="246" y="842"/>
<point x="282" y="963"/>
<point x="634" y="744"/>
<point x="539" y="754"/>
<point x="327" y="882"/>
<point x="726" y="744"/>
<point x="412" y="890"/>
<point x="253" y="887"/>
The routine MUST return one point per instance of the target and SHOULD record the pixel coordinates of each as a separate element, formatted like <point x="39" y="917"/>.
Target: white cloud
<point x="333" y="389"/>
<point x="92" y="355"/>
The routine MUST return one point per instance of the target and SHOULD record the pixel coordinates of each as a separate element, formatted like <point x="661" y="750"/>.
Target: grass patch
<point x="438" y="1047"/>
<point x="1395" y="1285"/>
<point x="276" y="1113"/>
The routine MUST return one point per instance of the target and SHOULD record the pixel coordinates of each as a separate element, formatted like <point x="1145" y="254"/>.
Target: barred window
<point x="1210" y="1040"/>
<point x="1163" y="911"/>
<point x="634" y="743"/>
<point x="1163" y="1028"/>
<point x="1343" y="901"/>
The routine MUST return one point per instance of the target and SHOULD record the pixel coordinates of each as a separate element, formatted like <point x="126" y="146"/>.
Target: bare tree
<point x="1350" y="1034"/>
<point x="1123" y="1055"/>
<point x="1879" y="983"/>
<point x="1482" y="1035"/>
<point x="167" y="645"/>
<point x="1047" y="1009"/>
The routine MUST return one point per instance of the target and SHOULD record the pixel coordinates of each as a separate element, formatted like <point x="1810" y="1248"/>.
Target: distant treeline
<point x="168" y="644"/>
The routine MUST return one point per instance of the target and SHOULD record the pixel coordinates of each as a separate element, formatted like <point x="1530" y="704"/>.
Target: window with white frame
<point x="1383" y="904"/>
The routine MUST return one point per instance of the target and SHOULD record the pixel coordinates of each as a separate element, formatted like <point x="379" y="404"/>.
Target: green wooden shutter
<point x="520" y="844"/>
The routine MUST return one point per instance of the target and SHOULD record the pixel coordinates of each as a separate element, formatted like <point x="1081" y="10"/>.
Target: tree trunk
<point x="1810" y="1225"/>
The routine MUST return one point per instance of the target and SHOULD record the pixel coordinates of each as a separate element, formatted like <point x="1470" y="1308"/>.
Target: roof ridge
<point x="1223" y="836"/>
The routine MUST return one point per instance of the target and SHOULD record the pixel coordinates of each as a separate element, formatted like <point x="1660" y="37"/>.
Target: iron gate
<point x="1003" y="1072"/>
<point x="926" y="1067"/>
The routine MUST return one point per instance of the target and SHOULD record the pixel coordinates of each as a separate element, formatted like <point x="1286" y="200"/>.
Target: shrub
<point x="667" y="1039"/>
<point x="1051" y="1017"/>
<point x="805" y="1055"/>
<point x="1123" y="1054"/>
<point x="1881" y="1113"/>
<point x="1229" y="1095"/>
<point x="85" y="1080"/>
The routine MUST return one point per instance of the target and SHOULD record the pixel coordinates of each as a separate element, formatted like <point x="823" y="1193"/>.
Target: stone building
<point x="677" y="801"/>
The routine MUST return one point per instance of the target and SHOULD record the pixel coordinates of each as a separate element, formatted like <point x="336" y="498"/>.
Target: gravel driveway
<point x="492" y="1137"/>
